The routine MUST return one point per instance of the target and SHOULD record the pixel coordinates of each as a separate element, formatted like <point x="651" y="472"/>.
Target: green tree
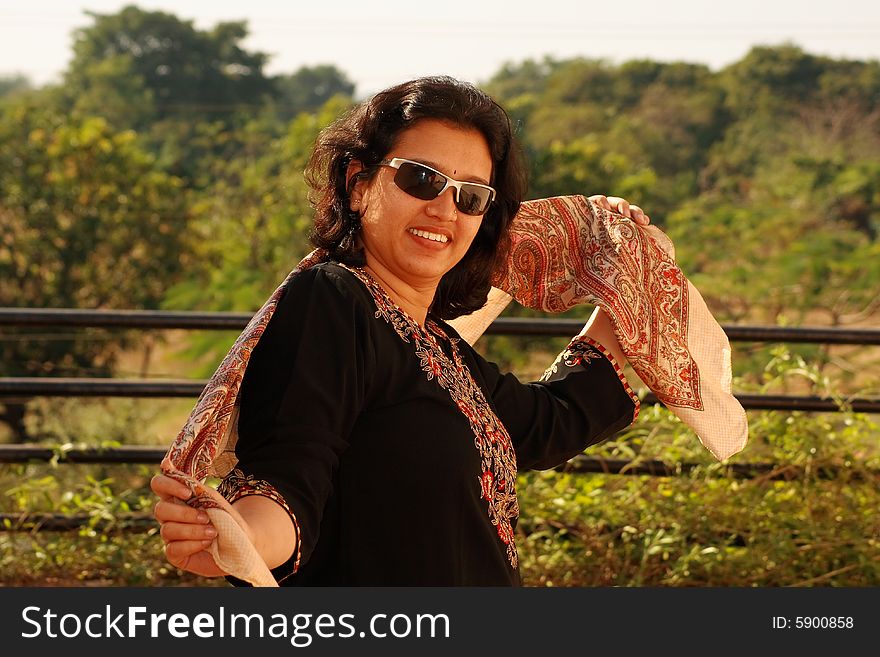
<point x="252" y="225"/>
<point x="185" y="91"/>
<point x="87" y="220"/>
<point x="183" y="70"/>
<point x="585" y="166"/>
<point x="308" y="88"/>
<point x="13" y="84"/>
<point x="772" y="79"/>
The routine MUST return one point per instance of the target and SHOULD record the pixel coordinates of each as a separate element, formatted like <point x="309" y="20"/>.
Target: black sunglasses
<point x="423" y="182"/>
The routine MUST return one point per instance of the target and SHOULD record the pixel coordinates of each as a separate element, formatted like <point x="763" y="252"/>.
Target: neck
<point x="413" y="299"/>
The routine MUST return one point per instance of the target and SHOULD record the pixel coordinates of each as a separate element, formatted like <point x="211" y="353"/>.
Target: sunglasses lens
<point x="419" y="181"/>
<point x="472" y="200"/>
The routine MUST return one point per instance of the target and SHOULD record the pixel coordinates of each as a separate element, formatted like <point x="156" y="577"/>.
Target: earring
<point x="354" y="224"/>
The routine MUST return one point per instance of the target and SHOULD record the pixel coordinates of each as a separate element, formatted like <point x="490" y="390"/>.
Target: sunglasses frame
<point x="396" y="162"/>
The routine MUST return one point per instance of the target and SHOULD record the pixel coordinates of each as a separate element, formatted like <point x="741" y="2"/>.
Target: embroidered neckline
<point x="497" y="479"/>
<point x="431" y="328"/>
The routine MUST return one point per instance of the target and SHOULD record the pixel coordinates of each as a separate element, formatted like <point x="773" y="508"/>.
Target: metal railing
<point x="548" y="327"/>
<point x="28" y="387"/>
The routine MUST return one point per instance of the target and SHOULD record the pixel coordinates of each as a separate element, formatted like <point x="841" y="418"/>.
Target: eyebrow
<point x="434" y="165"/>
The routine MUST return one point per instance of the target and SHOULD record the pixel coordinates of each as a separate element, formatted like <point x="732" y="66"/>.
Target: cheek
<point x="371" y="197"/>
<point x="381" y="205"/>
<point x="371" y="229"/>
<point x="371" y="219"/>
<point x="470" y="235"/>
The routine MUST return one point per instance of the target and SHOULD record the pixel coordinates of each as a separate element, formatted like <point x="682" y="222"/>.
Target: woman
<point x="375" y="446"/>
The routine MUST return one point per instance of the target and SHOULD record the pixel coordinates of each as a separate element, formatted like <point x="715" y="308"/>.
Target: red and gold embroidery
<point x="582" y="350"/>
<point x="578" y="352"/>
<point x="497" y="481"/>
<point x="237" y="484"/>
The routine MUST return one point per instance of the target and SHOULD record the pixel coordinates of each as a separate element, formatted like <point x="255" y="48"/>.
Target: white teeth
<point x="429" y="236"/>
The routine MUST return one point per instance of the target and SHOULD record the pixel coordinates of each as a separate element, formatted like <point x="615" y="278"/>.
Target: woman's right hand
<point x="187" y="532"/>
<point x="622" y="206"/>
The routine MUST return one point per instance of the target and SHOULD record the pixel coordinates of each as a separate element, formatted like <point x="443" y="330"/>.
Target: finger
<point x="639" y="215"/>
<point x="200" y="562"/>
<point x="180" y="531"/>
<point x="179" y="553"/>
<point x="601" y="200"/>
<point x="166" y="487"/>
<point x="165" y="511"/>
<point x="620" y="205"/>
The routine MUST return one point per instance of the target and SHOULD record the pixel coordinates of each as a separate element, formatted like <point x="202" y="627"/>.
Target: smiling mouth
<point x="434" y="237"/>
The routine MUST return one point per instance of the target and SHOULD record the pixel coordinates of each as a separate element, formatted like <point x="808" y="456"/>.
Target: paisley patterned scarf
<point x="565" y="251"/>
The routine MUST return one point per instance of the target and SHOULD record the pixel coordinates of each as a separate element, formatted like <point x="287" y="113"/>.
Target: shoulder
<point x="472" y="357"/>
<point x="327" y="283"/>
<point x="321" y="310"/>
<point x="325" y="275"/>
<point x="450" y="332"/>
<point x="462" y="344"/>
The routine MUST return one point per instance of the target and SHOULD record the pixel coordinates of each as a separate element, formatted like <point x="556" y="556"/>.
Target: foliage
<point x="185" y="91"/>
<point x="105" y="551"/>
<point x="87" y="220"/>
<point x="309" y="88"/>
<point x="102" y="551"/>
<point x="13" y="84"/>
<point x="706" y="527"/>
<point x="112" y="221"/>
<point x="179" y="69"/>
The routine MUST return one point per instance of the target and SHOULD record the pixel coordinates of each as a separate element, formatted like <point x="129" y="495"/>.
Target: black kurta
<point x="381" y="440"/>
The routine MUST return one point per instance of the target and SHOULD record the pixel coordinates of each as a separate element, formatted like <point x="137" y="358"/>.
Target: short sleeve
<point x="303" y="389"/>
<point x="582" y="399"/>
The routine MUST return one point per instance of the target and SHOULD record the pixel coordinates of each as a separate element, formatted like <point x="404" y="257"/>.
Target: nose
<point x="443" y="207"/>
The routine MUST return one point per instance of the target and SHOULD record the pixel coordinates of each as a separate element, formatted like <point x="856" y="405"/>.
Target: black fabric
<point x="375" y="460"/>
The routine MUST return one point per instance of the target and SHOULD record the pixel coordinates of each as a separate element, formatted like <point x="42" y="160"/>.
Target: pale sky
<point x="380" y="43"/>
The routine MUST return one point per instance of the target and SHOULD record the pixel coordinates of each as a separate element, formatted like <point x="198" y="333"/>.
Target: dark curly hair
<point x="367" y="134"/>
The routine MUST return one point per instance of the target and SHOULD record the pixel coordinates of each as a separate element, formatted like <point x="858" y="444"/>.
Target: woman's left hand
<point x="624" y="207"/>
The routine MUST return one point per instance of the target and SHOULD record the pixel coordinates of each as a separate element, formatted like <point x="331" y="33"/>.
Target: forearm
<point x="582" y="399"/>
<point x="270" y="528"/>
<point x="600" y="329"/>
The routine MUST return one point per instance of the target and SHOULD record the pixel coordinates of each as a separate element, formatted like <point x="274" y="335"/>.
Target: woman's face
<point x="397" y="229"/>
